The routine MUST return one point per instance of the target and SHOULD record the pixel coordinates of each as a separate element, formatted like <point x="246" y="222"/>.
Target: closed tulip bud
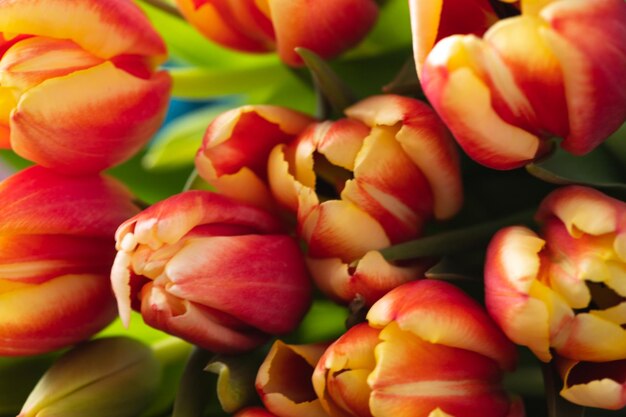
<point x="327" y="27"/>
<point x="554" y="71"/>
<point x="564" y="291"/>
<point x="236" y="145"/>
<point x="428" y="350"/>
<point x="111" y="377"/>
<point x="363" y="183"/>
<point x="217" y="273"/>
<point x="78" y="87"/>
<point x="284" y="380"/>
<point x="433" y="20"/>
<point x="56" y="251"/>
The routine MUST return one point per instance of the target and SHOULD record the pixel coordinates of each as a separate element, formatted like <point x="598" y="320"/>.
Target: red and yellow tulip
<point x="254" y="412"/>
<point x="327" y="27"/>
<point x="428" y="350"/>
<point x="554" y="71"/>
<point x="55" y="258"/>
<point x="284" y="380"/>
<point x="236" y="145"/>
<point x="79" y="90"/>
<point x="365" y="182"/>
<point x="564" y="291"/>
<point x="217" y="273"/>
<point x="433" y="20"/>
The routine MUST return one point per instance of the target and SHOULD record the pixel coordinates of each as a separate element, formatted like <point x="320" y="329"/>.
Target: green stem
<point x="557" y="406"/>
<point x="453" y="241"/>
<point x="164" y="6"/>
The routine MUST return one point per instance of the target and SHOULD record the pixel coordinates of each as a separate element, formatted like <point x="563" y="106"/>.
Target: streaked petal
<point x="601" y="385"/>
<point x="440" y="313"/>
<point x="60" y="312"/>
<point x="117" y="121"/>
<point x="105" y="28"/>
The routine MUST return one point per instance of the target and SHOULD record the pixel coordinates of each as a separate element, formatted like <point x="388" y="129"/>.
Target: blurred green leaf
<point x="324" y="321"/>
<point x="137" y="330"/>
<point x="196" y="386"/>
<point x="194" y="83"/>
<point x="178" y="142"/>
<point x="599" y="169"/>
<point x="18" y="377"/>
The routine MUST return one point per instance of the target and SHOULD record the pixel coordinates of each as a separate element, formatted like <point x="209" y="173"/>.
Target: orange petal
<point x="284" y="380"/>
<point x="412" y="374"/>
<point x="326" y="28"/>
<point x="432" y="20"/>
<point x="60" y="312"/>
<point x="216" y="20"/>
<point x="30" y="204"/>
<point x="601" y="385"/>
<point x="105" y="28"/>
<point x="92" y="126"/>
<point x="440" y="313"/>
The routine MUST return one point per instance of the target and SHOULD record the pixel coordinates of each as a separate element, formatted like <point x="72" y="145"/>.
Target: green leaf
<point x="333" y="90"/>
<point x="598" y="169"/>
<point x="453" y="241"/>
<point x="18" y="376"/>
<point x="177" y="143"/>
<point x="196" y="386"/>
<point x="324" y="321"/>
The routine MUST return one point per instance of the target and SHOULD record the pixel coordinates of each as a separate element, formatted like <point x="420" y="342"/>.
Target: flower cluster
<point x="288" y="209"/>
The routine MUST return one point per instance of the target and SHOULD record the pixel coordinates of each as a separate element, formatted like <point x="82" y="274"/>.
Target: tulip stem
<point x="165" y="7"/>
<point x="453" y="241"/>
<point x="557" y="406"/>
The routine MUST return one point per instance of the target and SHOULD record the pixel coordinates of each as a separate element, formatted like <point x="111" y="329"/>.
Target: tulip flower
<point x="433" y="20"/>
<point x="110" y="377"/>
<point x="327" y="27"/>
<point x="363" y="183"/>
<point x="554" y="71"/>
<point x="254" y="412"/>
<point x="563" y="292"/>
<point x="212" y="271"/>
<point x="428" y="350"/>
<point x="56" y="250"/>
<point x="284" y="380"/>
<point x="79" y="90"/>
<point x="236" y="145"/>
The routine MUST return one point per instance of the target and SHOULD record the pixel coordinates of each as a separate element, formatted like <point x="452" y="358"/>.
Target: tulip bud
<point x="254" y="412"/>
<point x="212" y="271"/>
<point x="284" y="380"/>
<point x="428" y="350"/>
<point x="325" y="27"/>
<point x="79" y="89"/>
<point x="363" y="183"/>
<point x="236" y="165"/>
<point x="564" y="291"/>
<point x="110" y="377"/>
<point x="56" y="248"/>
<point x="550" y="72"/>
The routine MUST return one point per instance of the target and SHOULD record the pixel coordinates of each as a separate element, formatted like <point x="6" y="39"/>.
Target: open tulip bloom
<point x="312" y="208"/>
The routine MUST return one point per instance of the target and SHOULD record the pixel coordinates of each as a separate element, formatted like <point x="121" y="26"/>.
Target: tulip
<point x="553" y="71"/>
<point x="433" y="20"/>
<point x="564" y="291"/>
<point x="254" y="412"/>
<point x="327" y="27"/>
<point x="284" y="380"/>
<point x="428" y="350"/>
<point x="363" y="183"/>
<point x="78" y="87"/>
<point x="56" y="248"/>
<point x="110" y="377"/>
<point x="212" y="271"/>
<point x="236" y="145"/>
